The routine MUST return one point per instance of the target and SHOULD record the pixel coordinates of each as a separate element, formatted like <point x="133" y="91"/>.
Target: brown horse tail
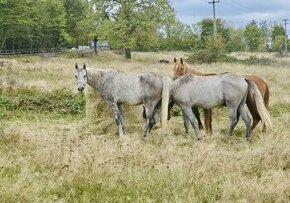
<point x="261" y="107"/>
<point x="165" y="101"/>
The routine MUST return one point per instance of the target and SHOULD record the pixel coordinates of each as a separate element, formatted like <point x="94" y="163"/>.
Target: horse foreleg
<point x="188" y="113"/>
<point x="122" y="119"/>
<point x="118" y="117"/>
<point x="208" y="120"/>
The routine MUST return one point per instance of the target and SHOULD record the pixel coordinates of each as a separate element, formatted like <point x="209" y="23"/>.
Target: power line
<point x="286" y="37"/>
<point x="213" y="2"/>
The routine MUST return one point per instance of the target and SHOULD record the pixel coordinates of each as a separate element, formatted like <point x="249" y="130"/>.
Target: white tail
<point x="165" y="101"/>
<point x="263" y="112"/>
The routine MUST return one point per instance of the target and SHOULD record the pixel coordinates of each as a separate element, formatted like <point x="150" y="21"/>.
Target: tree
<point x="236" y="41"/>
<point x="265" y="32"/>
<point x="277" y="35"/>
<point x="253" y="36"/>
<point x="129" y="23"/>
<point x="177" y="36"/>
<point x="80" y="21"/>
<point x="206" y="31"/>
<point x="31" y="24"/>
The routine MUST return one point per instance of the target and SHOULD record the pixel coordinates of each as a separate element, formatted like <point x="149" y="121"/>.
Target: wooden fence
<point x="31" y="51"/>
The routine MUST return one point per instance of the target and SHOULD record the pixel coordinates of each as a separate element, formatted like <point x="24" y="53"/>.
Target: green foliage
<point x="31" y="24"/>
<point x="214" y="52"/>
<point x="62" y="102"/>
<point x="252" y="60"/>
<point x="278" y="43"/>
<point x="133" y="24"/>
<point x="277" y="30"/>
<point x="253" y="36"/>
<point x="80" y="21"/>
<point x="177" y="36"/>
<point x="236" y="42"/>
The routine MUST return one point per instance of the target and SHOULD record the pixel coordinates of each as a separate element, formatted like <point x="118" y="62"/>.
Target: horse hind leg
<point x="255" y="122"/>
<point x="208" y="120"/>
<point x="191" y="117"/>
<point x="150" y="122"/>
<point x="185" y="123"/>
<point x="197" y="116"/>
<point x="233" y="121"/>
<point x="247" y="120"/>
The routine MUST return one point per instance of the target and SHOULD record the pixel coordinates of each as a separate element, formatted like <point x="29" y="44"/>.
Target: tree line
<point x="144" y="25"/>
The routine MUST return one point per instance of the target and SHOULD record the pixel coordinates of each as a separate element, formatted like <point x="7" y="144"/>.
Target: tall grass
<point x="55" y="159"/>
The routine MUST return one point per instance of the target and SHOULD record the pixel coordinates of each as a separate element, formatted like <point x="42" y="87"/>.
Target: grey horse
<point x="118" y="87"/>
<point x="223" y="89"/>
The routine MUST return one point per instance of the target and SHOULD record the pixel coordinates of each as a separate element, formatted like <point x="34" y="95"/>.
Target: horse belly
<point x="132" y="98"/>
<point x="209" y="95"/>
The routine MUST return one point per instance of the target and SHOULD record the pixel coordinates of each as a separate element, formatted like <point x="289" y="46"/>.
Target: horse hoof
<point x="145" y="139"/>
<point x="225" y="139"/>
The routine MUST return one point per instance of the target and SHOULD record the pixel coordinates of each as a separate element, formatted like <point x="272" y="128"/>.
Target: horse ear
<point x="76" y="66"/>
<point x="84" y="67"/>
<point x="181" y="60"/>
<point x="175" y="60"/>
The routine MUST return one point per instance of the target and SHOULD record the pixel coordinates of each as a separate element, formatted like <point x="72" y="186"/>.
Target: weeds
<point x="61" y="102"/>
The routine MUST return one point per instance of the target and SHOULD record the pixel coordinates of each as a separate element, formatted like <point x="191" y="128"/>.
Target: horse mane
<point x="95" y="75"/>
<point x="189" y="69"/>
<point x="182" y="80"/>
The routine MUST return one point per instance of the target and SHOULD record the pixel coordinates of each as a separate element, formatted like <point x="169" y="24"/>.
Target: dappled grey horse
<point x="117" y="88"/>
<point x="223" y="89"/>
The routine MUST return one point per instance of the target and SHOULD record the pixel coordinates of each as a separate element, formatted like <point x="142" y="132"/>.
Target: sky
<point x="234" y="12"/>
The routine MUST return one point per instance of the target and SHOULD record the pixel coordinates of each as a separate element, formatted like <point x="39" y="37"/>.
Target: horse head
<point x="81" y="77"/>
<point x="178" y="68"/>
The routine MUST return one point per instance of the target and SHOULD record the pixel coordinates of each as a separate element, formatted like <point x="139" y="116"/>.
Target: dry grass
<point x="62" y="160"/>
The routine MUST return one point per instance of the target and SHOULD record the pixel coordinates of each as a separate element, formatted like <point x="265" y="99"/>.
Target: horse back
<point x="132" y="88"/>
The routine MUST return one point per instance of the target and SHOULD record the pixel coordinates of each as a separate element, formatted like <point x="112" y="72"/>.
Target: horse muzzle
<point x="81" y="89"/>
<point x="81" y="86"/>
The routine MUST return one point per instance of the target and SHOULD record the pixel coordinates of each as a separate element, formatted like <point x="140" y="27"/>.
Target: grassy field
<point x="60" y="146"/>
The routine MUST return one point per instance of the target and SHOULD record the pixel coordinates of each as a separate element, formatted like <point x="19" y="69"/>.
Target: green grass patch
<point x="147" y="186"/>
<point x="278" y="109"/>
<point x="58" y="103"/>
<point x="205" y="57"/>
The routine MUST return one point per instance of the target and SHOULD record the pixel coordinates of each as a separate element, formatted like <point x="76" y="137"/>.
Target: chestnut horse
<point x="180" y="68"/>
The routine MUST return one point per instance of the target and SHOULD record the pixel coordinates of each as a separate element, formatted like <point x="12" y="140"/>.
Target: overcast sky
<point x="235" y="12"/>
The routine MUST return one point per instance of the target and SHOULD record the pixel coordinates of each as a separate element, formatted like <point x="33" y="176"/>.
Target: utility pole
<point x="286" y="36"/>
<point x="213" y="2"/>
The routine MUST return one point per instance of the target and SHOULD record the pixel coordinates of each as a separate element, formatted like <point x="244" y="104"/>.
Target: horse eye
<point x="76" y="76"/>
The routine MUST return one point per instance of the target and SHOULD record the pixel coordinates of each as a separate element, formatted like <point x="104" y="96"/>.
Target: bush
<point x="61" y="101"/>
<point x="204" y="56"/>
<point x="214" y="52"/>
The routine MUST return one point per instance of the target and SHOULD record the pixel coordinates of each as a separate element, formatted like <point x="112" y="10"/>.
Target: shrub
<point x="61" y="101"/>
<point x="214" y="52"/>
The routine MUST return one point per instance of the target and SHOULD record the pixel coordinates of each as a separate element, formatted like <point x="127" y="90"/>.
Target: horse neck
<point x="94" y="78"/>
<point x="193" y="71"/>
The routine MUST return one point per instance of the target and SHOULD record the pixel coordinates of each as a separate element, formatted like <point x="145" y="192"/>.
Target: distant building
<point x="103" y="45"/>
